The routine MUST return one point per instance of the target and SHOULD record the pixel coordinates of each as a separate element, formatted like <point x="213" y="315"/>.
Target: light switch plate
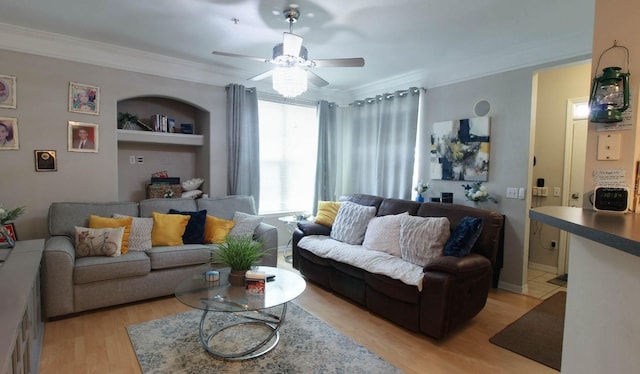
<point x="522" y="193"/>
<point x="609" y="147"/>
<point x="512" y="193"/>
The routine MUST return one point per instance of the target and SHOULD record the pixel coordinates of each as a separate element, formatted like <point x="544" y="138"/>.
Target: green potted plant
<point x="240" y="253"/>
<point x="127" y="120"/>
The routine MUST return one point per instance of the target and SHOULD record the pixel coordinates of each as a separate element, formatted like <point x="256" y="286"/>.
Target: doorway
<point x="574" y="161"/>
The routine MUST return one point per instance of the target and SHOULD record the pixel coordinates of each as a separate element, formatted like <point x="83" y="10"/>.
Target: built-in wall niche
<point x="176" y="111"/>
<point x="141" y="153"/>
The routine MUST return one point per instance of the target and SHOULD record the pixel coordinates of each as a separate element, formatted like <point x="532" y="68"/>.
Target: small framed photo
<point x="84" y="98"/>
<point x="9" y="134"/>
<point x="46" y="161"/>
<point x="8" y="235"/>
<point x="83" y="137"/>
<point x="7" y="91"/>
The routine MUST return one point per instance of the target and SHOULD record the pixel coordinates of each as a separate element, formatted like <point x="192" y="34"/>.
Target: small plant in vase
<point x="240" y="253"/>
<point x="477" y="193"/>
<point x="127" y="121"/>
<point x="421" y="188"/>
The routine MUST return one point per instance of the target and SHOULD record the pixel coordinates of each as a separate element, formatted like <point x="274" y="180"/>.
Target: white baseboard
<point x="513" y="287"/>
<point x="542" y="267"/>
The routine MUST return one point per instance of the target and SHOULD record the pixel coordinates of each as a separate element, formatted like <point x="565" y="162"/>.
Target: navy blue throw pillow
<point x="194" y="233"/>
<point x="463" y="237"/>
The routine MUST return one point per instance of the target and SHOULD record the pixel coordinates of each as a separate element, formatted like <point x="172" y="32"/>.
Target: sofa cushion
<point x="463" y="237"/>
<point x="95" y="269"/>
<point x="140" y="236"/>
<point x="98" y="222"/>
<point x="375" y="262"/>
<point x="351" y="222"/>
<point x="64" y="216"/>
<point x="168" y="228"/>
<point x="148" y="206"/>
<point x="225" y="207"/>
<point x="166" y="257"/>
<point x="383" y="234"/>
<point x="98" y="242"/>
<point x="194" y="232"/>
<point x="422" y="238"/>
<point x="327" y="211"/>
<point x="216" y="229"/>
<point x="245" y="224"/>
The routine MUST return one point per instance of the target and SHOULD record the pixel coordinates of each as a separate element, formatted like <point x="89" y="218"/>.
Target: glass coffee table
<point x="245" y="324"/>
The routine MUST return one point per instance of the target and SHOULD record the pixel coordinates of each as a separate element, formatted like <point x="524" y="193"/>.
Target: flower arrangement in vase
<point x="421" y="188"/>
<point x="477" y="193"/>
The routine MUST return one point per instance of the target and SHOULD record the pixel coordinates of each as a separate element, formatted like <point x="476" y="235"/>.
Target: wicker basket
<point x="163" y="191"/>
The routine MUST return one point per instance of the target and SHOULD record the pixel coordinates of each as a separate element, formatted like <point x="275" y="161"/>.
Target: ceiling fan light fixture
<point x="289" y="81"/>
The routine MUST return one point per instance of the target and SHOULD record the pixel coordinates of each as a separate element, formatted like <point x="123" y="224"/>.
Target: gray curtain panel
<point x="373" y="141"/>
<point x="243" y="145"/>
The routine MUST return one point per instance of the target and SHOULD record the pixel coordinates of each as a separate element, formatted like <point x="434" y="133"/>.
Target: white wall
<point x="510" y="96"/>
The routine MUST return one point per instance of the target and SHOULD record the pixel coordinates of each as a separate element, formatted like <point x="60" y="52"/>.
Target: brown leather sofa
<point x="454" y="289"/>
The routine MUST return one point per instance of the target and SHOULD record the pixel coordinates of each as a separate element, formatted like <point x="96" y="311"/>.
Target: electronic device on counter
<point x="611" y="199"/>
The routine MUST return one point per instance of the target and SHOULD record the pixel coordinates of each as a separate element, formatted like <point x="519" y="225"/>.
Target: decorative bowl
<point x="192" y="184"/>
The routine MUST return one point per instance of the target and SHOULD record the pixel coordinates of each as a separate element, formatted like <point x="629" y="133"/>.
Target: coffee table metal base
<point x="259" y="348"/>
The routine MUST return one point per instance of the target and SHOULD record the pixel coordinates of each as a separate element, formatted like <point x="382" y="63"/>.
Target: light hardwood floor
<point x="97" y="342"/>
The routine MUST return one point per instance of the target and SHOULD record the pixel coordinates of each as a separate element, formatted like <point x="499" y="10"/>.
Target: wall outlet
<point x="556" y="191"/>
<point x="140" y="159"/>
<point x="522" y="193"/>
<point x="512" y="193"/>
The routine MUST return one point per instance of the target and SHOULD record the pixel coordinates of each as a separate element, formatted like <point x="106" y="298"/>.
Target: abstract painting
<point x="460" y="149"/>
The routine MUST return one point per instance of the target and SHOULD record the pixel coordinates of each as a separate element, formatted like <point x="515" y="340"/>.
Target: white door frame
<point x="566" y="179"/>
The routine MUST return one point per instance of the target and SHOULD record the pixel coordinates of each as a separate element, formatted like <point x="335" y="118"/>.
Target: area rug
<point x="307" y="345"/>
<point x="537" y="334"/>
<point x="560" y="280"/>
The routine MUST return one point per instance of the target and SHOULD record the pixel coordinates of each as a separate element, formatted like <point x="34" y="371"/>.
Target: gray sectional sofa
<point x="72" y="285"/>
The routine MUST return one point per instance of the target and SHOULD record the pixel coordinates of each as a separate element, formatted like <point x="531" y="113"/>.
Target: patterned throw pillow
<point x="351" y="222"/>
<point x="97" y="222"/>
<point x="422" y="238"/>
<point x="194" y="233"/>
<point x="383" y="234"/>
<point x="140" y="236"/>
<point x="98" y="242"/>
<point x="463" y="237"/>
<point x="245" y="224"/>
<point x="216" y="229"/>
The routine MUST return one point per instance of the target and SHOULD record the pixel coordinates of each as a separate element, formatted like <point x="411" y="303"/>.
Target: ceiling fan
<point x="292" y="67"/>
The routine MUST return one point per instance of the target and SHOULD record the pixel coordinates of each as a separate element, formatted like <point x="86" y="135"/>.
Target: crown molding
<point x="36" y="42"/>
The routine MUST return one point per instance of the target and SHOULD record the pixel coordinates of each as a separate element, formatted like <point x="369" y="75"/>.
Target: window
<point x="288" y="151"/>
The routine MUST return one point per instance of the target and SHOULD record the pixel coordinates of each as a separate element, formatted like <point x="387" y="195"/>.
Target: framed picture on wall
<point x="84" y="98"/>
<point x="7" y="91"/>
<point x="46" y="161"/>
<point x="9" y="134"/>
<point x="83" y="137"/>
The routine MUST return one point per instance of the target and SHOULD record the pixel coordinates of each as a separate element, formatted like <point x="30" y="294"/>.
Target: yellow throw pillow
<point x="327" y="212"/>
<point x="216" y="229"/>
<point x="97" y="222"/>
<point x="168" y="229"/>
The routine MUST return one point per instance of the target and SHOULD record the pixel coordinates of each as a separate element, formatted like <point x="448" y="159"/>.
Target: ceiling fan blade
<point x="225" y="54"/>
<point x="291" y="44"/>
<point x="315" y="79"/>
<point x="261" y="76"/>
<point x="338" y="62"/>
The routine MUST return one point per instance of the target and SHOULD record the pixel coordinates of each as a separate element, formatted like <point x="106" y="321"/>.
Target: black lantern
<point x="609" y="92"/>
